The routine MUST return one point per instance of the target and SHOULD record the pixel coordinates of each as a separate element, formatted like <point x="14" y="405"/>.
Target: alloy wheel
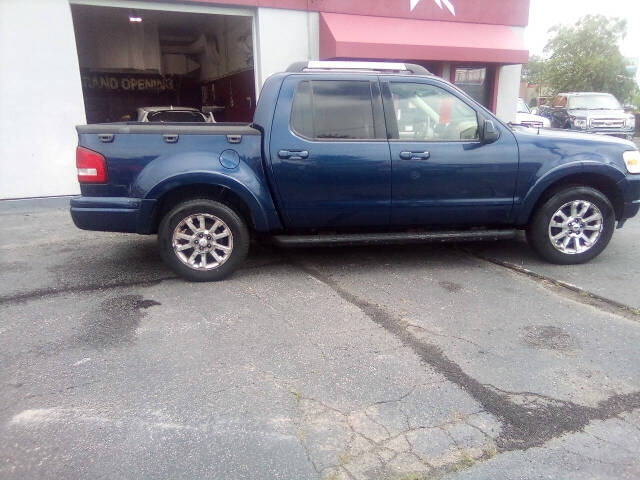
<point x="202" y="241"/>
<point x="575" y="227"/>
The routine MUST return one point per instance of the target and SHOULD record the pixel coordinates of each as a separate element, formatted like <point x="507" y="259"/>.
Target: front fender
<point x="203" y="168"/>
<point x="556" y="174"/>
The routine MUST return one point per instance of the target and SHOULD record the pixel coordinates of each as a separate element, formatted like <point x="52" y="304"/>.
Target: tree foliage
<point x="585" y="57"/>
<point x="533" y="72"/>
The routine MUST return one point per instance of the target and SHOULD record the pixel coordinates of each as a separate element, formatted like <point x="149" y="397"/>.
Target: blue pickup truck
<point x="353" y="152"/>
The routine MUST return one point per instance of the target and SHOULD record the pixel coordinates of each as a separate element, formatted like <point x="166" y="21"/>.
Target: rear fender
<point x="204" y="168"/>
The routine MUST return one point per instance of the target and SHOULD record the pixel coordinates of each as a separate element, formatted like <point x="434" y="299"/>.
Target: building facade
<point x="68" y="62"/>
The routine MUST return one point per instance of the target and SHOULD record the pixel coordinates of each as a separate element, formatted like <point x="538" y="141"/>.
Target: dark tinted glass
<point x="327" y="109"/>
<point x="301" y="114"/>
<point x="175" y="116"/>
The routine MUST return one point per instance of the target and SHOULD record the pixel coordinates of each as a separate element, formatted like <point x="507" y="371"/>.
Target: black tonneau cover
<point x="180" y="128"/>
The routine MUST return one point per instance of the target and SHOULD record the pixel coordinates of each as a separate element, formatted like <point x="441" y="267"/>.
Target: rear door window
<point x="333" y="110"/>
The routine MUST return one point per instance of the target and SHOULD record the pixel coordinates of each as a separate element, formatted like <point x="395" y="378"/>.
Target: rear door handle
<point x="170" y="138"/>
<point x="414" y="155"/>
<point x="293" y="154"/>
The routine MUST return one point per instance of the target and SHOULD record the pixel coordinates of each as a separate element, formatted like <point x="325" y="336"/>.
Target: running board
<point x="389" y="238"/>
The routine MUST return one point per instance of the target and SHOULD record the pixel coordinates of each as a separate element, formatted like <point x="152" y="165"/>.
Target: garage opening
<point x="149" y="65"/>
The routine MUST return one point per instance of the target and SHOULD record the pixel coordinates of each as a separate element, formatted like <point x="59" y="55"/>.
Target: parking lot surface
<point x="406" y="362"/>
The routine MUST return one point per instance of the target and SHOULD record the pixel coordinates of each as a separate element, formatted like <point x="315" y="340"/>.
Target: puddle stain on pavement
<point x="115" y="321"/>
<point x="549" y="337"/>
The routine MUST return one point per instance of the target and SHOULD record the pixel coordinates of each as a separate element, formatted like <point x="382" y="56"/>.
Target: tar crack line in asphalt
<point x="529" y="419"/>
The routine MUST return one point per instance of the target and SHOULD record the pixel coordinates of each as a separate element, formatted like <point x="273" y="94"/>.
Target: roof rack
<point x="358" y="66"/>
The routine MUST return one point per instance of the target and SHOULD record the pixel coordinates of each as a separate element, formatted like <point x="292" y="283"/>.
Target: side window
<point x="328" y="109"/>
<point x="301" y="113"/>
<point x="431" y="114"/>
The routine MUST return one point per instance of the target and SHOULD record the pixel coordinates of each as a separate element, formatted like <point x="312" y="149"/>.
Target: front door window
<point x="425" y="113"/>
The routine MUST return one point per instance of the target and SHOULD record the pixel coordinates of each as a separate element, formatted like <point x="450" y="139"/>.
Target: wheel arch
<point x="237" y="197"/>
<point x="597" y="180"/>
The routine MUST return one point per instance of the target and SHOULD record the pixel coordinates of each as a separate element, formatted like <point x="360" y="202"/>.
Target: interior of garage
<point x="131" y="59"/>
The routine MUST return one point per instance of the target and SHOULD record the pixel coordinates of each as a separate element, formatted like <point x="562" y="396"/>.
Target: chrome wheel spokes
<point x="202" y="241"/>
<point x="575" y="227"/>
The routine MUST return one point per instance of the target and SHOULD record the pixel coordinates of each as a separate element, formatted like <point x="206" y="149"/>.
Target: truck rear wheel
<point x="203" y="240"/>
<point x="573" y="226"/>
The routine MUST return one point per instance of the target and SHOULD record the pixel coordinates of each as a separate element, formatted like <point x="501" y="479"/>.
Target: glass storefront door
<point x="477" y="81"/>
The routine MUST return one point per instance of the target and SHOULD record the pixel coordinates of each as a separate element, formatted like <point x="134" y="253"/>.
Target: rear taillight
<point x="92" y="167"/>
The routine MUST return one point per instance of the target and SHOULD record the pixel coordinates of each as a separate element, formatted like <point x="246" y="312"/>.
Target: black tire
<point x="212" y="210"/>
<point x="538" y="231"/>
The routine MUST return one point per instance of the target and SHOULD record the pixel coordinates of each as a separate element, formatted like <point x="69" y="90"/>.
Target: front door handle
<point x="293" y="154"/>
<point x="414" y="155"/>
<point x="170" y="138"/>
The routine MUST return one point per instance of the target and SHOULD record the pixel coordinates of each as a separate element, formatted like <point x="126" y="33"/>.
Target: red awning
<point x="356" y="36"/>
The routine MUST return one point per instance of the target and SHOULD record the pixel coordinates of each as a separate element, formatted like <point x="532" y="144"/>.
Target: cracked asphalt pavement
<point x="465" y="361"/>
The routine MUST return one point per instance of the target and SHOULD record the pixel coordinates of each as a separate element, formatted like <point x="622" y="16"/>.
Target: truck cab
<point x="353" y="152"/>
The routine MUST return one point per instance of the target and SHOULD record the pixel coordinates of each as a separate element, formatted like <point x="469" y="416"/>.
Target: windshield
<point x="523" y="107"/>
<point x="176" y="116"/>
<point x="594" y="102"/>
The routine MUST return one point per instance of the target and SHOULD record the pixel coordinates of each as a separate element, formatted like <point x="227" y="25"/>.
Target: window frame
<point x="377" y="109"/>
<point x="392" y="121"/>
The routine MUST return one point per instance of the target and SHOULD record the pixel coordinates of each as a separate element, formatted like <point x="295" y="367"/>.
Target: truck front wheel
<point x="573" y="226"/>
<point x="203" y="240"/>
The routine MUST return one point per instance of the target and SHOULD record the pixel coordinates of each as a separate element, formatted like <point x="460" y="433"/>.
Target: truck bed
<point x="145" y="160"/>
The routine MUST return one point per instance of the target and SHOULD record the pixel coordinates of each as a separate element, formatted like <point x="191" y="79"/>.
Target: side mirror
<point x="489" y="132"/>
<point x="534" y="111"/>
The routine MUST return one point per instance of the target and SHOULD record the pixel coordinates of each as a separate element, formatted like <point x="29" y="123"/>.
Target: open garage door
<point x="132" y="60"/>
